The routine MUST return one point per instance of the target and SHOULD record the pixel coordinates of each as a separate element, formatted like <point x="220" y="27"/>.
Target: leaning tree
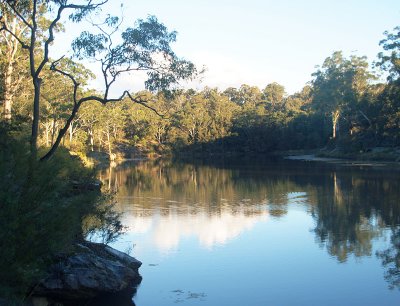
<point x="146" y="46"/>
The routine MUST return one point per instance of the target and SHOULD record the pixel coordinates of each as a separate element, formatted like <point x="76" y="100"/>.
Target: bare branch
<point x="49" y="40"/>
<point x="143" y="103"/>
<point x="53" y="67"/>
<point x="89" y="6"/>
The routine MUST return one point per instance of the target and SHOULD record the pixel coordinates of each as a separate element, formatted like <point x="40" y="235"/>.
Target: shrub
<point x="42" y="208"/>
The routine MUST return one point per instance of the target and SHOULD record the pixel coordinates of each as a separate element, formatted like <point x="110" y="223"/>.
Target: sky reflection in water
<point x="283" y="233"/>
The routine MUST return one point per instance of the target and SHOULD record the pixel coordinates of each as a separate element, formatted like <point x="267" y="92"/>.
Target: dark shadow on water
<point x="120" y="299"/>
<point x="123" y="298"/>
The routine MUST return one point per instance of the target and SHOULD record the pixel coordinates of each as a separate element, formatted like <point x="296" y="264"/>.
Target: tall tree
<point x="300" y="101"/>
<point x="273" y="95"/>
<point x="388" y="102"/>
<point x="338" y="84"/>
<point x="11" y="55"/>
<point x="145" y="47"/>
<point x="221" y="111"/>
<point x="389" y="59"/>
<point x="246" y="94"/>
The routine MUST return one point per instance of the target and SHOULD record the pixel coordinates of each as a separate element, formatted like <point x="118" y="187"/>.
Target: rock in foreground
<point x="93" y="270"/>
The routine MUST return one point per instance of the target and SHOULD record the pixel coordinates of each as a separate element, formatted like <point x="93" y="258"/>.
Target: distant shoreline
<point x="343" y="161"/>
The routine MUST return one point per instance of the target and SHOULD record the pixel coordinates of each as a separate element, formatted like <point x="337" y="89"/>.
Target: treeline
<point x="344" y="106"/>
<point x="341" y="107"/>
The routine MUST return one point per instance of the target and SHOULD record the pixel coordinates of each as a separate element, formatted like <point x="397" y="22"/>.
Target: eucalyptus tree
<point x="389" y="59"/>
<point x="233" y="94"/>
<point x="244" y="95"/>
<point x="250" y="96"/>
<point x="273" y="95"/>
<point x="193" y="119"/>
<point x="55" y="97"/>
<point x="143" y="47"/>
<point x="221" y="111"/>
<point x="387" y="100"/>
<point x="111" y="120"/>
<point x="12" y="74"/>
<point x="299" y="102"/>
<point x="160" y="125"/>
<point x="338" y="85"/>
<point x="89" y="120"/>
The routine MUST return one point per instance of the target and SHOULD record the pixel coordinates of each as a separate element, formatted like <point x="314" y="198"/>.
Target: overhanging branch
<point x="23" y="45"/>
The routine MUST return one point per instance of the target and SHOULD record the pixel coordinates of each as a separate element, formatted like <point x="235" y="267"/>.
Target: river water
<point x="261" y="232"/>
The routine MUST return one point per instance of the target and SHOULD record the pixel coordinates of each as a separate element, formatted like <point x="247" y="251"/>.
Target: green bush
<point x="42" y="208"/>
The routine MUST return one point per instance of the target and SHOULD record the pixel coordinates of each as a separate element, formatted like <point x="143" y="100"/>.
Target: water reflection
<point x="391" y="260"/>
<point x="352" y="207"/>
<point x="209" y="230"/>
<point x="346" y="219"/>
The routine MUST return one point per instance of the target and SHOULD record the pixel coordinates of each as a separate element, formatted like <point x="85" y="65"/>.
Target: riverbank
<point x="46" y="208"/>
<point x="92" y="274"/>
<point x="387" y="158"/>
<point x="389" y="155"/>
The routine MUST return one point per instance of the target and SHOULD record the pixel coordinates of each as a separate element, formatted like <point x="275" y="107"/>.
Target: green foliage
<point x="42" y="206"/>
<point x="389" y="61"/>
<point x="340" y="102"/>
<point x="391" y="260"/>
<point x="340" y="107"/>
<point x="273" y="95"/>
<point x="339" y="82"/>
<point x="88" y="44"/>
<point x="143" y="47"/>
<point x="388" y="117"/>
<point x="340" y="87"/>
<point x="104" y="223"/>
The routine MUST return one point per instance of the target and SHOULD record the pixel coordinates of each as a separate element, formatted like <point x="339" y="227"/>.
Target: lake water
<point x="261" y="232"/>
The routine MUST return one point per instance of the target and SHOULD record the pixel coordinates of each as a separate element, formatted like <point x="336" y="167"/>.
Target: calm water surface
<point x="261" y="233"/>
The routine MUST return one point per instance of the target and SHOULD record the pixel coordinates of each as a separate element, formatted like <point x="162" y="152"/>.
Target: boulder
<point x="94" y="269"/>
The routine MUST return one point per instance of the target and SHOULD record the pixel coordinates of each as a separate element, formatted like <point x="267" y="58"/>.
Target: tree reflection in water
<point x="352" y="206"/>
<point x="391" y="260"/>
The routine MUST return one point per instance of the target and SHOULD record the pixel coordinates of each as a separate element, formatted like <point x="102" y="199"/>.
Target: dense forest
<point x="344" y="106"/>
<point x="48" y="111"/>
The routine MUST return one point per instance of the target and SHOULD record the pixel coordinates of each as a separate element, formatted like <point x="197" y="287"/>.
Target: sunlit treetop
<point x="390" y="59"/>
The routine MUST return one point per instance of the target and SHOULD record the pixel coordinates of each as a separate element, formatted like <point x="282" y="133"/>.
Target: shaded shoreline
<point x="343" y="161"/>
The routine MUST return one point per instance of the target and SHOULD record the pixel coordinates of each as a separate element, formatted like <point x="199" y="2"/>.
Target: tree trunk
<point x="100" y="140"/>
<point x="7" y="92"/>
<point x="37" y="82"/>
<point x="110" y="153"/>
<point x="47" y="134"/>
<point x="109" y="177"/>
<point x="71" y="132"/>
<point x="53" y="130"/>
<point x="61" y="134"/>
<point x="8" y="86"/>
<point x="335" y="123"/>
<point x="91" y="139"/>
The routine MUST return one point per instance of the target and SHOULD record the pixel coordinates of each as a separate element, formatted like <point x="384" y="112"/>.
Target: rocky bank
<point x="93" y="270"/>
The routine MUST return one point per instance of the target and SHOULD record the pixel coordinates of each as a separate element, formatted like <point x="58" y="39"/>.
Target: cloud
<point x="167" y="231"/>
<point x="227" y="70"/>
<point x="222" y="71"/>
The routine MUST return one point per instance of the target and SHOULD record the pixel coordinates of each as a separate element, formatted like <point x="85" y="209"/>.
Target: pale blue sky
<point x="258" y="42"/>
